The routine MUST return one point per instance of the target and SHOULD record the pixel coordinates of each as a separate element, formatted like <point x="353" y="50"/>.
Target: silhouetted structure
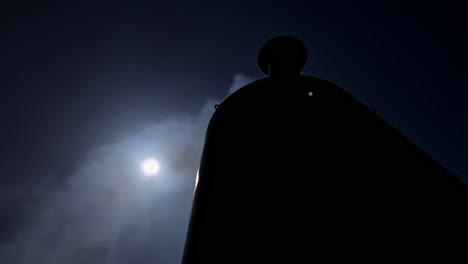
<point x="295" y="168"/>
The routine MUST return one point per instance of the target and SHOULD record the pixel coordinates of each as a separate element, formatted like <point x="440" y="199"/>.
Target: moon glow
<point x="150" y="167"/>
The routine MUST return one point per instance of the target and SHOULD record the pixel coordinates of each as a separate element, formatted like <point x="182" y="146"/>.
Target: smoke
<point x="109" y="212"/>
<point x="238" y="81"/>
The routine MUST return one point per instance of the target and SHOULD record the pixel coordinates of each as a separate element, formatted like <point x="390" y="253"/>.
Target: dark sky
<point x="82" y="81"/>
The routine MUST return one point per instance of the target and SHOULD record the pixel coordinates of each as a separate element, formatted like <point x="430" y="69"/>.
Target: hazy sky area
<point x="90" y="90"/>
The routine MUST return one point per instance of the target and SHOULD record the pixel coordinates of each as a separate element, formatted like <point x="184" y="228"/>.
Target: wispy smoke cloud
<point x="109" y="212"/>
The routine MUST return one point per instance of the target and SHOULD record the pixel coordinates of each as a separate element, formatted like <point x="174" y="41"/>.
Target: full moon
<point x="150" y="167"/>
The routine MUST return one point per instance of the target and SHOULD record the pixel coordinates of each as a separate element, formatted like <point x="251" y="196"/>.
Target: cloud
<point x="108" y="212"/>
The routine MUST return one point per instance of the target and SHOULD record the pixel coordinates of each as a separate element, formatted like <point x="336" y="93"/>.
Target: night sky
<point x="90" y="90"/>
